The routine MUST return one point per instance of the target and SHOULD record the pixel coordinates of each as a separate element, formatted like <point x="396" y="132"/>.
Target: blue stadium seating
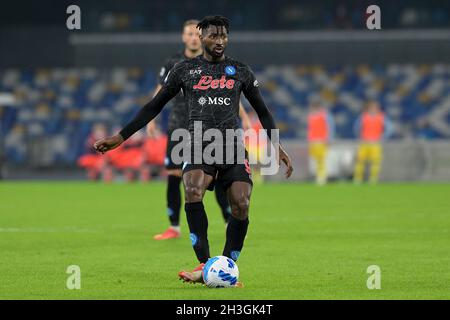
<point x="65" y="103"/>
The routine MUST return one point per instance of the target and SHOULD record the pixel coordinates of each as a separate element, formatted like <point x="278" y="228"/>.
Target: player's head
<point x="373" y="106"/>
<point x="191" y="35"/>
<point x="214" y="34"/>
<point x="315" y="105"/>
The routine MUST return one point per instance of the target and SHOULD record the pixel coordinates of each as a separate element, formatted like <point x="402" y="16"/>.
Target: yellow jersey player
<point x="371" y="127"/>
<point x="320" y="132"/>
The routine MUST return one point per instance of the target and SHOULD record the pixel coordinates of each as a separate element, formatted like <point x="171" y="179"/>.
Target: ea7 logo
<point x="373" y="17"/>
<point x="194" y="72"/>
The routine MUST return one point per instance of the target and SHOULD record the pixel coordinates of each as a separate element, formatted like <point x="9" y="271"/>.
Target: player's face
<point x="215" y="40"/>
<point x="191" y="37"/>
<point x="373" y="107"/>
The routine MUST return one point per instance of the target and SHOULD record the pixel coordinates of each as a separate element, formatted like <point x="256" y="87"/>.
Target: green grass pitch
<point x="304" y="242"/>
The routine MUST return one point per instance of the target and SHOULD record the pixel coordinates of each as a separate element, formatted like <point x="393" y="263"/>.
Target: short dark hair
<point x="214" y="21"/>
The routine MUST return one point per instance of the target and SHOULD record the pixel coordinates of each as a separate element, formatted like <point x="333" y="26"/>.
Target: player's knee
<point x="193" y="193"/>
<point x="240" y="208"/>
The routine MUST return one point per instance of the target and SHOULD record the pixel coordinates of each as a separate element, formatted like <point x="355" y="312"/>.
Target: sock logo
<point x="169" y="212"/>
<point x="235" y="255"/>
<point x="194" y="238"/>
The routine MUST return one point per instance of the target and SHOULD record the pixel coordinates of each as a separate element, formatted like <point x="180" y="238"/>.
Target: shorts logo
<point x="247" y="167"/>
<point x="230" y="70"/>
<point x="207" y="82"/>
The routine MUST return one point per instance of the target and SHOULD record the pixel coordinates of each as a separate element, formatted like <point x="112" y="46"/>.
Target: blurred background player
<point x="256" y="147"/>
<point x="320" y="132"/>
<point x="91" y="160"/>
<point x="178" y="118"/>
<point x="371" y="127"/>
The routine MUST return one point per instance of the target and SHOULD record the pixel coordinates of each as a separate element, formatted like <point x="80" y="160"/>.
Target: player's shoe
<point x="196" y="276"/>
<point x="170" y="233"/>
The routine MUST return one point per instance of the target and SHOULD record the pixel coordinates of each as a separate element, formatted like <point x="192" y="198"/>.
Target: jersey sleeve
<point x="171" y="87"/>
<point x="172" y="82"/>
<point x="168" y="65"/>
<point x="250" y="88"/>
<point x="250" y="83"/>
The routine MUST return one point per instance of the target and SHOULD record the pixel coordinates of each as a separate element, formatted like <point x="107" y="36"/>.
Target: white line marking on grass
<point x="47" y="230"/>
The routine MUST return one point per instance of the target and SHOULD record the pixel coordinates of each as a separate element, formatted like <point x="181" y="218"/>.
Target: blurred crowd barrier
<point x="407" y="160"/>
<point x="56" y="109"/>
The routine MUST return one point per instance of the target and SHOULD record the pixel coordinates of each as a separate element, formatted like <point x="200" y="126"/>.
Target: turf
<point x="304" y="242"/>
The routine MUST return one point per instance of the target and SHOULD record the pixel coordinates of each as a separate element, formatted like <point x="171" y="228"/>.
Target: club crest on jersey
<point x="207" y="82"/>
<point x="230" y="70"/>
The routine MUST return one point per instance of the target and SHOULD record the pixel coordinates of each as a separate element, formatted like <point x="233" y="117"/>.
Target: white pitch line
<point x="47" y="230"/>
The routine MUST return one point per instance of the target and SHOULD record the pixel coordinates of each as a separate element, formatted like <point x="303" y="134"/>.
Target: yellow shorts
<point x="317" y="150"/>
<point x="370" y="152"/>
<point x="256" y="153"/>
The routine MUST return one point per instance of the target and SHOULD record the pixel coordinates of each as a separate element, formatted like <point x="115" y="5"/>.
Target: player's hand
<point x="287" y="161"/>
<point x="106" y="144"/>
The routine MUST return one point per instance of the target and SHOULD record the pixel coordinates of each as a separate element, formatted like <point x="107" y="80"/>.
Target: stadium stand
<point x="62" y="105"/>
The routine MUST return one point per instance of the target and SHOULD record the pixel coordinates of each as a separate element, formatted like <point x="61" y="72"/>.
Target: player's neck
<point x="192" y="54"/>
<point x="211" y="58"/>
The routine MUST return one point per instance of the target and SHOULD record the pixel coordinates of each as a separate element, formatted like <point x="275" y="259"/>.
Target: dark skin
<point x="214" y="41"/>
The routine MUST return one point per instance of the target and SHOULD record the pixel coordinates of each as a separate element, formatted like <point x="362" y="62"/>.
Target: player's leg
<point x="239" y="196"/>
<point x="173" y="194"/>
<point x="376" y="156"/>
<point x="196" y="182"/>
<point x="173" y="197"/>
<point x="222" y="200"/>
<point x="361" y="158"/>
<point x="321" y="164"/>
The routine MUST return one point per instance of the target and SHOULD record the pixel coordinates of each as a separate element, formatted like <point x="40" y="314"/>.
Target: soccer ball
<point x="220" y="272"/>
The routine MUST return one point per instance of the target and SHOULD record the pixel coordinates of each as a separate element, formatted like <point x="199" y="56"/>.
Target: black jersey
<point x="178" y="115"/>
<point x="211" y="94"/>
<point x="211" y="90"/>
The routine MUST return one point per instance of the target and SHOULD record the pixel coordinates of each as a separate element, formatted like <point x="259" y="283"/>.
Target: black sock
<point x="222" y="200"/>
<point x="198" y="226"/>
<point x="173" y="200"/>
<point x="236" y="231"/>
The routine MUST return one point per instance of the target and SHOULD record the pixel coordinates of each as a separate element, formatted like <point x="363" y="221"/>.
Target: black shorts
<point x="226" y="173"/>
<point x="168" y="160"/>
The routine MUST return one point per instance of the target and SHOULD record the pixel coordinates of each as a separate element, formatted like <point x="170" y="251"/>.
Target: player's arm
<point x="253" y="95"/>
<point x="246" y="124"/>
<point x="151" y="127"/>
<point x="145" y="115"/>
